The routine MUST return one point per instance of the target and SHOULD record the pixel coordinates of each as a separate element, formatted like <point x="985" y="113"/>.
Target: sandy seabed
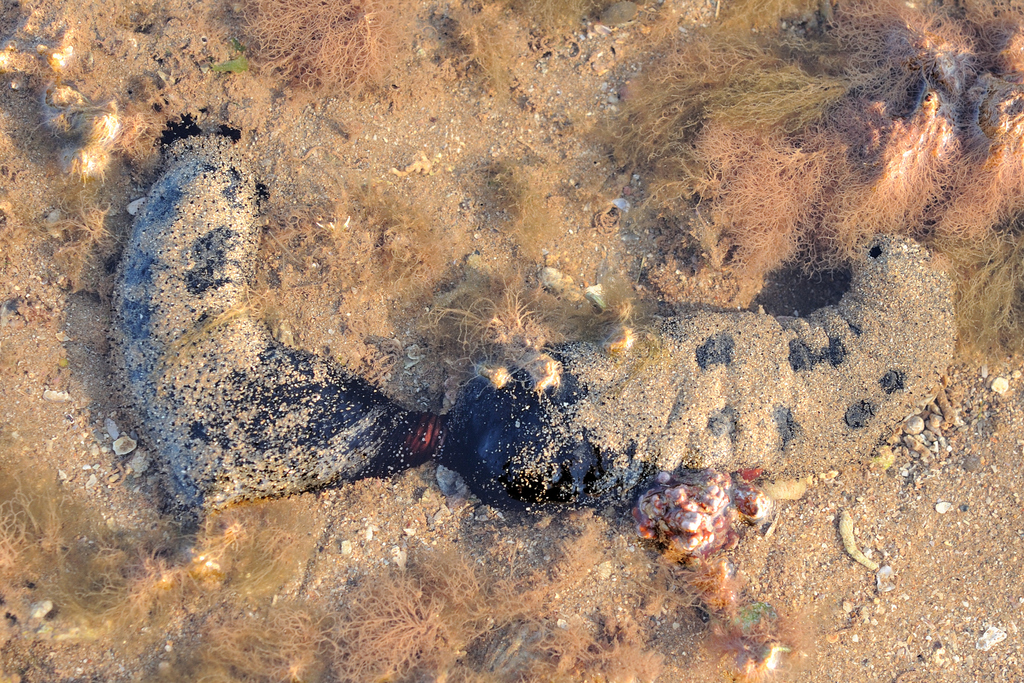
<point x="491" y="169"/>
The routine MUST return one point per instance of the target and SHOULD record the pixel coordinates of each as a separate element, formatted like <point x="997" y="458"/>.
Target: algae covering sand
<point x="102" y="578"/>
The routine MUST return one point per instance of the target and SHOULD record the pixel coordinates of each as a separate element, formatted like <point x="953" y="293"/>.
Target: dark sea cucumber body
<point x="728" y="390"/>
<point x="235" y="414"/>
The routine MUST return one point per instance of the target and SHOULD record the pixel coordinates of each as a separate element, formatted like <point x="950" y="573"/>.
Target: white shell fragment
<point x="622" y="205"/>
<point x="884" y="579"/>
<point x="991" y="637"/>
<point x="595" y="295"/>
<point x="124" y="445"/>
<point x="913" y="425"/>
<point x="111" y="428"/>
<point x="134" y="206"/>
<point x="1000" y="385"/>
<point x="942" y="507"/>
<point x="39" y="610"/>
<point x="56" y="396"/>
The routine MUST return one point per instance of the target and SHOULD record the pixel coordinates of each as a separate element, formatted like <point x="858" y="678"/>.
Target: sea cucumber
<point x="716" y="389"/>
<point x="235" y="414"/>
<point x="238" y="416"/>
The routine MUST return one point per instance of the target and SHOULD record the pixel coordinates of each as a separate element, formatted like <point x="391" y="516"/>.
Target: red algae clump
<point x="694" y="511"/>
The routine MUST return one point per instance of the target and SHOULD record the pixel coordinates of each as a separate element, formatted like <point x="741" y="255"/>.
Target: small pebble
<point x="943" y="507"/>
<point x="56" y="396"/>
<point x="884" y="580"/>
<point x="1000" y="385"/>
<point x="111" y="428"/>
<point x="991" y="637"/>
<point x="92" y="481"/>
<point x="913" y="425"/>
<point x="139" y="463"/>
<point x="43" y="607"/>
<point x="346" y="547"/>
<point x="124" y="445"/>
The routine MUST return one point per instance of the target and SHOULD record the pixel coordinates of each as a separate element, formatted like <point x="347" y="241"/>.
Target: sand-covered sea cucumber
<point x="235" y="414"/>
<point x="238" y="416"/>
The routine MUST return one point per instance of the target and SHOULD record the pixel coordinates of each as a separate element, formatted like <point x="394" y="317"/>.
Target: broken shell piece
<point x="595" y="295"/>
<point x="135" y="205"/>
<point x="850" y="542"/>
<point x="619" y="341"/>
<point x="622" y="204"/>
<point x="884" y="579"/>
<point x="56" y="396"/>
<point x="124" y="445"/>
<point x="992" y="636"/>
<point x="498" y="375"/>
<point x="788" y="489"/>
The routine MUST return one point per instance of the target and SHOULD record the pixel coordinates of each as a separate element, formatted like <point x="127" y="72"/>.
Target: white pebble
<point x="943" y="507"/>
<point x="134" y="206"/>
<point x="40" y="609"/>
<point x="913" y="425"/>
<point x="124" y="445"/>
<point x="56" y="396"/>
<point x="991" y="637"/>
<point x="1000" y="385"/>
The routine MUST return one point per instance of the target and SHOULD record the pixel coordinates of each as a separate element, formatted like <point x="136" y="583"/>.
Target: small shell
<point x="850" y="543"/>
<point x="595" y="295"/>
<point x="124" y="445"/>
<point x="790" y="489"/>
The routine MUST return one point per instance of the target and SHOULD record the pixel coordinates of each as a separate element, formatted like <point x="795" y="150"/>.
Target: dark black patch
<point x="161" y="207"/>
<point x="836" y="351"/>
<point x="262" y="195"/>
<point x="792" y="289"/>
<point x="802" y="357"/>
<point x="787" y="426"/>
<point x="209" y="253"/>
<point x="231" y="191"/>
<point x="716" y="350"/>
<point x="893" y="381"/>
<point x="514" y="446"/>
<point x="875" y="251"/>
<point x="136" y="317"/>
<point x="184" y="127"/>
<point x="230" y="132"/>
<point x="859" y="413"/>
<point x="723" y="422"/>
<point x="197" y="432"/>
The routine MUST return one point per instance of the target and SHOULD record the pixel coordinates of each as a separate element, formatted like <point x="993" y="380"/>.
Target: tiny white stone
<point x="913" y="425"/>
<point x="56" y="396"/>
<point x="942" y="507"/>
<point x="135" y="205"/>
<point x="124" y="445"/>
<point x="1000" y="385"/>
<point x="991" y="637"/>
<point x="40" y="609"/>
